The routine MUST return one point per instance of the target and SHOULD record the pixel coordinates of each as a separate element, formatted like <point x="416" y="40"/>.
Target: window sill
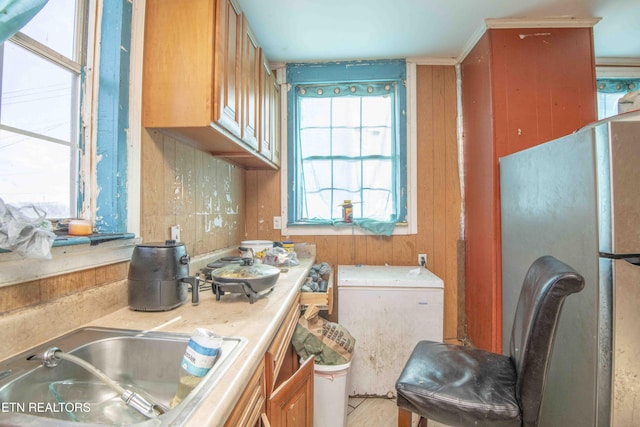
<point x="69" y="254"/>
<point x="401" y="229"/>
<point x="92" y="240"/>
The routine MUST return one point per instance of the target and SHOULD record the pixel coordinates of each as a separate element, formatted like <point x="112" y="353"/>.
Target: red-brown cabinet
<point x="520" y="87"/>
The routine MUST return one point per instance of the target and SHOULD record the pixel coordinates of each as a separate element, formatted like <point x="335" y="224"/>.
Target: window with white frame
<point x="40" y="102"/>
<point x="347" y="141"/>
<point x="609" y="92"/>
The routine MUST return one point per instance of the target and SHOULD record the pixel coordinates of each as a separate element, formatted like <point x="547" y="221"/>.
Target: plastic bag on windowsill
<point x="26" y="230"/>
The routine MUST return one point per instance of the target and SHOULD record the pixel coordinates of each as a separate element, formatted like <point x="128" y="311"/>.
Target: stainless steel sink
<point x="145" y="362"/>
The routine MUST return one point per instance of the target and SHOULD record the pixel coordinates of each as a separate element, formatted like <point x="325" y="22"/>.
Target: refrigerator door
<point x="549" y="206"/>
<point x="626" y="344"/>
<point x="618" y="157"/>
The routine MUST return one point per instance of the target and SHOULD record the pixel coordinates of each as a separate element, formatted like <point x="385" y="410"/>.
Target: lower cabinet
<point x="251" y="404"/>
<point x="291" y="404"/>
<point x="280" y="392"/>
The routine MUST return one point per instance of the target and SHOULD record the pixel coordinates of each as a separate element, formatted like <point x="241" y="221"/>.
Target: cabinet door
<point x="291" y="404"/>
<point x="266" y="95"/>
<point x="177" y="82"/>
<point x="251" y="66"/>
<point x="251" y="404"/>
<point x="275" y="120"/>
<point x="228" y="50"/>
<point x="277" y="352"/>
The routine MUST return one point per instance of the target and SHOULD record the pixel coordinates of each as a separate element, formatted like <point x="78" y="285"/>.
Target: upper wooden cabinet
<point x="251" y="72"/>
<point x="269" y="115"/>
<point x="227" y="79"/>
<point x="201" y="78"/>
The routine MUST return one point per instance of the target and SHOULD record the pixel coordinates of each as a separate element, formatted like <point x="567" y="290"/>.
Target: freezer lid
<point x="387" y="276"/>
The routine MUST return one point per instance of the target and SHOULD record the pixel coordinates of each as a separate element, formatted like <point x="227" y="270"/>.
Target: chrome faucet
<point x="52" y="357"/>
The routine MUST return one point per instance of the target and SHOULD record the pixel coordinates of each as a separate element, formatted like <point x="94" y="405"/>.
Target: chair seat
<point x="459" y="386"/>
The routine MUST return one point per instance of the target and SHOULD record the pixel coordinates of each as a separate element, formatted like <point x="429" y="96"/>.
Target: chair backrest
<point x="545" y="287"/>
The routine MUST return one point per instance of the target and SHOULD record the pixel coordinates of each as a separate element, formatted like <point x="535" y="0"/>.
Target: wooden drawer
<point x="324" y="300"/>
<point x="251" y="404"/>
<point x="281" y="343"/>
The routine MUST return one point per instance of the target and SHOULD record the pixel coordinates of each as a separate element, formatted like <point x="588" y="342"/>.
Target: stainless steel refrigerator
<point x="578" y="198"/>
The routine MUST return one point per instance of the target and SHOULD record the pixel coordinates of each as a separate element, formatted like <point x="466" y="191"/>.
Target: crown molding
<point x="473" y="40"/>
<point x="549" y="22"/>
<point x="425" y="60"/>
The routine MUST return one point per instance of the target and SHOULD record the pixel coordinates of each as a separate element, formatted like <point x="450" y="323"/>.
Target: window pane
<point x="317" y="205"/>
<point x="37" y="95"/>
<point x="376" y="111"/>
<point x="59" y="37"/>
<point x="377" y="174"/>
<point x="608" y="104"/>
<point x="377" y="204"/>
<point x="36" y="171"/>
<point x="317" y="175"/>
<point x="315" y="112"/>
<point x="347" y="177"/>
<point x="346" y="111"/>
<point x="377" y="141"/>
<point x="315" y="142"/>
<point x="346" y="142"/>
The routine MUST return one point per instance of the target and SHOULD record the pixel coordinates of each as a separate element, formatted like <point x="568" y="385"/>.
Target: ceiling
<point x="320" y="30"/>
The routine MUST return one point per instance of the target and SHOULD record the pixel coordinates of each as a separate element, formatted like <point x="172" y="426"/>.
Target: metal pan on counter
<point x="251" y="280"/>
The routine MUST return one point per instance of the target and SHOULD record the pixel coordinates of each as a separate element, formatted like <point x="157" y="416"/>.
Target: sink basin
<point x="142" y="361"/>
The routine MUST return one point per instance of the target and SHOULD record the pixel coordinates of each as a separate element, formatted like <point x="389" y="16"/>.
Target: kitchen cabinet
<point x="274" y="116"/>
<point x="201" y="78"/>
<point x="251" y="73"/>
<point x="269" y="113"/>
<point x="291" y="404"/>
<point x="266" y="108"/>
<point x="280" y="390"/>
<point x="520" y="88"/>
<point x="251" y="404"/>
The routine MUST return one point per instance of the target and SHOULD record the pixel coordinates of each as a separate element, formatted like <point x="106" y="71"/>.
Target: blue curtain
<point x="14" y="14"/>
<point x="617" y="85"/>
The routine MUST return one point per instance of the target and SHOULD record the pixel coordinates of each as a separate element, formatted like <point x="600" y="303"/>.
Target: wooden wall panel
<point x="183" y="186"/>
<point x="520" y="88"/>
<point x="480" y="273"/>
<point x="439" y="203"/>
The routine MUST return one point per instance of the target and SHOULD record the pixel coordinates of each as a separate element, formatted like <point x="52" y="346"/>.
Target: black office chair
<point x="462" y="386"/>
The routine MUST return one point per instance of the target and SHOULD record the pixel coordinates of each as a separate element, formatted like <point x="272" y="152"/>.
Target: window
<point x="610" y="91"/>
<point x="347" y="141"/>
<point x="40" y="102"/>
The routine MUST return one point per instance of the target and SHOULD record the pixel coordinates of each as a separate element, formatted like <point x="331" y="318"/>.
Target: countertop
<point x="231" y="316"/>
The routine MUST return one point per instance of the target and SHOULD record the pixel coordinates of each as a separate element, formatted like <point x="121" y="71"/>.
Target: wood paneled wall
<point x="183" y="186"/>
<point x="439" y="201"/>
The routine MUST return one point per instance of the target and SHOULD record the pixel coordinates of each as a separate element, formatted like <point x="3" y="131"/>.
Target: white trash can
<point x="330" y="395"/>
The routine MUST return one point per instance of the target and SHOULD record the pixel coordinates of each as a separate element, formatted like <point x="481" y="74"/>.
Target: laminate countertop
<point x="233" y="315"/>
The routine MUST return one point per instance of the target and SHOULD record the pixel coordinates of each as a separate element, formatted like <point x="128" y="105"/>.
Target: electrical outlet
<point x="175" y="233"/>
<point x="277" y="223"/>
<point x="422" y="260"/>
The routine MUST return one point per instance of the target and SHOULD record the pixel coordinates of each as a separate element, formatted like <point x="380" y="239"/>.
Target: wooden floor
<point x="376" y="412"/>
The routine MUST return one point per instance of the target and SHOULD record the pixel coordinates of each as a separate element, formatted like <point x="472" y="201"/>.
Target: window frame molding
<point x="410" y="226"/>
<point x="14" y="269"/>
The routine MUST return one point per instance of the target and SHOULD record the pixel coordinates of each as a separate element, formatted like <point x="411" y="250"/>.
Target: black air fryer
<point x="159" y="276"/>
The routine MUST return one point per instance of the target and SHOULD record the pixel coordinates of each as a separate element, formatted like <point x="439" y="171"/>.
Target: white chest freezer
<point x="388" y="310"/>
